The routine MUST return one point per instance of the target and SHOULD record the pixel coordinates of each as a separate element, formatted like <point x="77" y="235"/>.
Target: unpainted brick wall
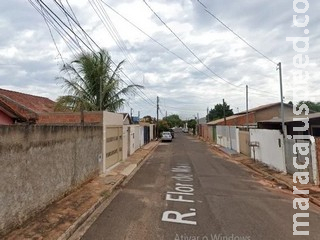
<point x="69" y="118"/>
<point x="39" y="164"/>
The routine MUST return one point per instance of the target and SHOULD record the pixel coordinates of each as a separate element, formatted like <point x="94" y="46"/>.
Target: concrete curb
<point x="81" y="220"/>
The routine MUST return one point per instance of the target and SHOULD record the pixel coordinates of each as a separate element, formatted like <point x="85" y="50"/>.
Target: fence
<point x="39" y="164"/>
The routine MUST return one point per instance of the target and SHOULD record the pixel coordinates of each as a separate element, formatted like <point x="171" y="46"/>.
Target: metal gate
<point x="113" y="145"/>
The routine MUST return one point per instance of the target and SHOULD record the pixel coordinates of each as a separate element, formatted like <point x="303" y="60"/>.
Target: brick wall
<point x="239" y="120"/>
<point x="69" y="118"/>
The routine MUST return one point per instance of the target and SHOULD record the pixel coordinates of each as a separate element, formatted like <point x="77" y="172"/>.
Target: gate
<point x="146" y="134"/>
<point x="113" y="145"/>
<point x="244" y="138"/>
<point x="112" y="139"/>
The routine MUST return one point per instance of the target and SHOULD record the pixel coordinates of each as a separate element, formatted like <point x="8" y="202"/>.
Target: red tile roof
<point x="25" y="105"/>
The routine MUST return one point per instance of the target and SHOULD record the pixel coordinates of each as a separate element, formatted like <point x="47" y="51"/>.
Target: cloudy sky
<point x="194" y="66"/>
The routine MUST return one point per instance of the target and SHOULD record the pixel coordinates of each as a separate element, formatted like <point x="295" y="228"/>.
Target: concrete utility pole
<point x="157" y="126"/>
<point x="281" y="96"/>
<point x="247" y="107"/>
<point x="131" y="110"/>
<point x="224" y="113"/>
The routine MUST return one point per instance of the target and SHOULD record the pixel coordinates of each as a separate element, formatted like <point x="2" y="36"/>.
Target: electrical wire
<point x="241" y="38"/>
<point x="180" y="40"/>
<point x="63" y="26"/>
<point x="103" y="16"/>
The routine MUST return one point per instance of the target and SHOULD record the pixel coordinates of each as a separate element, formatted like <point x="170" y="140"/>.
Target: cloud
<point x="30" y="62"/>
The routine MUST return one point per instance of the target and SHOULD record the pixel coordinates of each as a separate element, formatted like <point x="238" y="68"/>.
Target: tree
<point x="173" y="120"/>
<point x="192" y="123"/>
<point x="314" y="106"/>
<point x="163" y="126"/>
<point x="217" y="112"/>
<point x="93" y="85"/>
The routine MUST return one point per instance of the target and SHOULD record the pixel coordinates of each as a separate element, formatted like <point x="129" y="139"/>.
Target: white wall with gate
<point x="270" y="150"/>
<point x="228" y="136"/>
<point x="112" y="139"/>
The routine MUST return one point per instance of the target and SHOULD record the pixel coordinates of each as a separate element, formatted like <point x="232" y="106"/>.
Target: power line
<point x="187" y="46"/>
<point x="241" y="38"/>
<point x="63" y="26"/>
<point x="192" y="51"/>
<point x="103" y="16"/>
<point x="97" y="46"/>
<point x="164" y="47"/>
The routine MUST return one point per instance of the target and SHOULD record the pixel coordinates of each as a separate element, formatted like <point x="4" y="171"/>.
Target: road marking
<point x="183" y="193"/>
<point x="178" y="217"/>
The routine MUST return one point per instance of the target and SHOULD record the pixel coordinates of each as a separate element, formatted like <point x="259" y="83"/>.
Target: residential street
<point x="183" y="191"/>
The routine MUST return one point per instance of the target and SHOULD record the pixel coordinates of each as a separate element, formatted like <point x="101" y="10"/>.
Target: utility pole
<point x="131" y="110"/>
<point x="224" y="112"/>
<point x="247" y="106"/>
<point x="139" y="114"/>
<point x="281" y="96"/>
<point x="207" y="114"/>
<point x="157" y="126"/>
<point x="166" y="115"/>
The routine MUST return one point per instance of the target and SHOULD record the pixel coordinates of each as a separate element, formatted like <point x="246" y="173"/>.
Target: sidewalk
<point x="281" y="180"/>
<point x="62" y="218"/>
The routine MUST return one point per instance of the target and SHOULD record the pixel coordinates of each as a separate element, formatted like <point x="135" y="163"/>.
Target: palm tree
<point x="93" y="85"/>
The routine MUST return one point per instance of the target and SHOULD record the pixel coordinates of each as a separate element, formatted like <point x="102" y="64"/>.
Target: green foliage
<point x="92" y="84"/>
<point x="173" y="120"/>
<point x="217" y="112"/>
<point x="315" y="106"/>
<point x="192" y="123"/>
<point x="163" y="126"/>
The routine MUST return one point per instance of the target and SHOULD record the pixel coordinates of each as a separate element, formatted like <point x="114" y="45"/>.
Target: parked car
<point x="185" y="130"/>
<point x="166" y="136"/>
<point x="172" y="132"/>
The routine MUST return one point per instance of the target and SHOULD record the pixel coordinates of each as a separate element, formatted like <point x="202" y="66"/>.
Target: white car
<point x="166" y="136"/>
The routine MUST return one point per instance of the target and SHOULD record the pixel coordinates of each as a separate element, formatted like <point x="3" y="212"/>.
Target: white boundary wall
<point x="270" y="150"/>
<point x="228" y="136"/>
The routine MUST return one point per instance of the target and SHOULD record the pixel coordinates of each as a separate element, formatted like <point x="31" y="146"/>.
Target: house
<point x="313" y="126"/>
<point x="16" y="107"/>
<point x="255" y="115"/>
<point x="127" y="120"/>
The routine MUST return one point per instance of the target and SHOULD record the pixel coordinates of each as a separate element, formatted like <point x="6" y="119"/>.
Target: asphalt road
<point x="184" y="192"/>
